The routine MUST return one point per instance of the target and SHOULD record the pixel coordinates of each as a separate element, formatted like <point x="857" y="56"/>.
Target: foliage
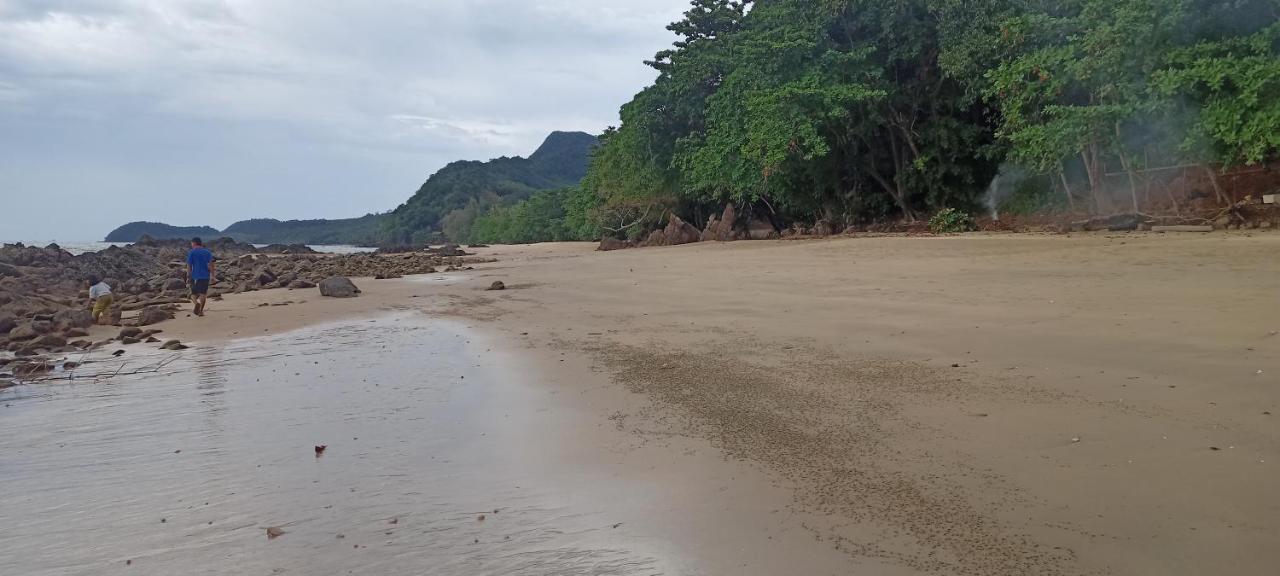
<point x="862" y="109"/>
<point x="474" y="187"/>
<point x="362" y="231"/>
<point x="546" y="216"/>
<point x="950" y="220"/>
<point x="132" y="231"/>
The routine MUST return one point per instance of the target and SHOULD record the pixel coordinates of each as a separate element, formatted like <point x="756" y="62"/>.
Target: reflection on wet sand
<point x="183" y="471"/>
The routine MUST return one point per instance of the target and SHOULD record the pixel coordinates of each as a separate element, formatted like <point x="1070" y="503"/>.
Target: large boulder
<point x="721" y="229"/>
<point x="609" y="243"/>
<point x="680" y="232"/>
<point x="73" y="318"/>
<point x="153" y="315"/>
<point x="23" y="332"/>
<point x="174" y="284"/>
<point x="338" y="287"/>
<point x="7" y="323"/>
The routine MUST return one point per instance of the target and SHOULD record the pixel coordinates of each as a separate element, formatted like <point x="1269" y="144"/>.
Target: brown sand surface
<point x="986" y="405"/>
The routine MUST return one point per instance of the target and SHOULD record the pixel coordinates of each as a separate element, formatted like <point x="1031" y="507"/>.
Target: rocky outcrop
<point x="339" y="287"/>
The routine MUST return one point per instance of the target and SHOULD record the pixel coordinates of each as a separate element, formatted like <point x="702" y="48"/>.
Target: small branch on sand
<point x="100" y="376"/>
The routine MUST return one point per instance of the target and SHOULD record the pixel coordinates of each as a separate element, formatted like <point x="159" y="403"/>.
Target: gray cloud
<point x="208" y="111"/>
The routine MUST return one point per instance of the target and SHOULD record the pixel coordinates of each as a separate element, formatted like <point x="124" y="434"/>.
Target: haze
<point x="202" y="112"/>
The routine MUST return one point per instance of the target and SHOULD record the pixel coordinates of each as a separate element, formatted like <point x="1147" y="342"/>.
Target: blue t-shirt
<point x="199" y="259"/>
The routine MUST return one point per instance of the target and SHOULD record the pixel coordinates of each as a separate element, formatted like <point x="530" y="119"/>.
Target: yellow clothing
<point x="101" y="305"/>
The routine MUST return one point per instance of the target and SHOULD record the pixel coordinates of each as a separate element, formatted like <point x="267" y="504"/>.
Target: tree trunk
<point x="1066" y="188"/>
<point x="1217" y="189"/>
<point x="1124" y="163"/>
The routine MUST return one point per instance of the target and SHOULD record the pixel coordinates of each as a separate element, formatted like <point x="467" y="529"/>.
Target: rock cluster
<point x="44" y="299"/>
<point x="725" y="227"/>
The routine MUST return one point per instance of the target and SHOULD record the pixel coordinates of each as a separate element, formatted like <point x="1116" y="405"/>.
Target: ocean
<point x="82" y="247"/>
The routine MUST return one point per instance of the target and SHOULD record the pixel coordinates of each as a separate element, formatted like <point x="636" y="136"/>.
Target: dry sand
<point x="985" y="405"/>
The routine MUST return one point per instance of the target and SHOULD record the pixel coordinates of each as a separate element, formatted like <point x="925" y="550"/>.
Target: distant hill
<point x="365" y="230"/>
<point x="132" y="231"/>
<point x="468" y="187"/>
<point x="457" y="194"/>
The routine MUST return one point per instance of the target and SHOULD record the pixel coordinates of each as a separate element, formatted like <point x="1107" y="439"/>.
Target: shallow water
<point x="183" y="471"/>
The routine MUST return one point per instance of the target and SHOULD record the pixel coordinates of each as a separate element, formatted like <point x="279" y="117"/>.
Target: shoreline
<point x="979" y="404"/>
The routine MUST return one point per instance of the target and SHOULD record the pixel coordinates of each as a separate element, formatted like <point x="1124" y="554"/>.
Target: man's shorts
<point x="200" y="287"/>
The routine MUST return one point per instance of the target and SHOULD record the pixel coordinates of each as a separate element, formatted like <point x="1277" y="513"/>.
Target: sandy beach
<point x="979" y="404"/>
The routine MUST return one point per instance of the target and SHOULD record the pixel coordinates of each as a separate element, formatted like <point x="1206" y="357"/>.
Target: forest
<point x="858" y="111"/>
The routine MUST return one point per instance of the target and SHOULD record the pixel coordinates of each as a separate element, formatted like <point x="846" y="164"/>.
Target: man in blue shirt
<point x="200" y="270"/>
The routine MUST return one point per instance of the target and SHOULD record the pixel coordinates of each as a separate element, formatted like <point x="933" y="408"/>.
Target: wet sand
<point x="1096" y="404"/>
<point x="442" y="455"/>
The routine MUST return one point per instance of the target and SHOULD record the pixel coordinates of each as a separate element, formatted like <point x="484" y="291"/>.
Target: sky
<point x="205" y="112"/>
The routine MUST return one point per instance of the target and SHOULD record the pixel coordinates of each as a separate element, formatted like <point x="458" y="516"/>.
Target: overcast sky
<point x="204" y="112"/>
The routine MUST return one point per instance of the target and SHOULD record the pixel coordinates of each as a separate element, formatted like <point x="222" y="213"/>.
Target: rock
<point x="129" y="332"/>
<point x="297" y="284"/>
<point x="152" y="315"/>
<point x="24" y="332"/>
<point x="9" y="270"/>
<point x="7" y="323"/>
<point x="173" y="345"/>
<point x="75" y="333"/>
<point x="130" y="340"/>
<point x="680" y="232"/>
<point x="338" y="287"/>
<point x="721" y="229"/>
<point x="151" y="340"/>
<point x="49" y="341"/>
<point x="761" y="230"/>
<point x="265" y="276"/>
<point x="497" y="285"/>
<point x="609" y="243"/>
<point x="74" y="318"/>
<point x="174" y="284"/>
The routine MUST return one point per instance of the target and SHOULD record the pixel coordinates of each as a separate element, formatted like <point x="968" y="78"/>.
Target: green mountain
<point x="453" y="197"/>
<point x="364" y="230"/>
<point x="132" y="231"/>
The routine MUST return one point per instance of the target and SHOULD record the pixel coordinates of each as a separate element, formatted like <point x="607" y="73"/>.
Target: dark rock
<point x="129" y="332"/>
<point x="75" y="333"/>
<point x="173" y="345"/>
<point x="151" y="340"/>
<point x="153" y="315"/>
<point x="338" y="287"/>
<point x="174" y="284"/>
<point x="497" y="285"/>
<point x="296" y="284"/>
<point x="265" y="276"/>
<point x="130" y="340"/>
<point x="7" y="323"/>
